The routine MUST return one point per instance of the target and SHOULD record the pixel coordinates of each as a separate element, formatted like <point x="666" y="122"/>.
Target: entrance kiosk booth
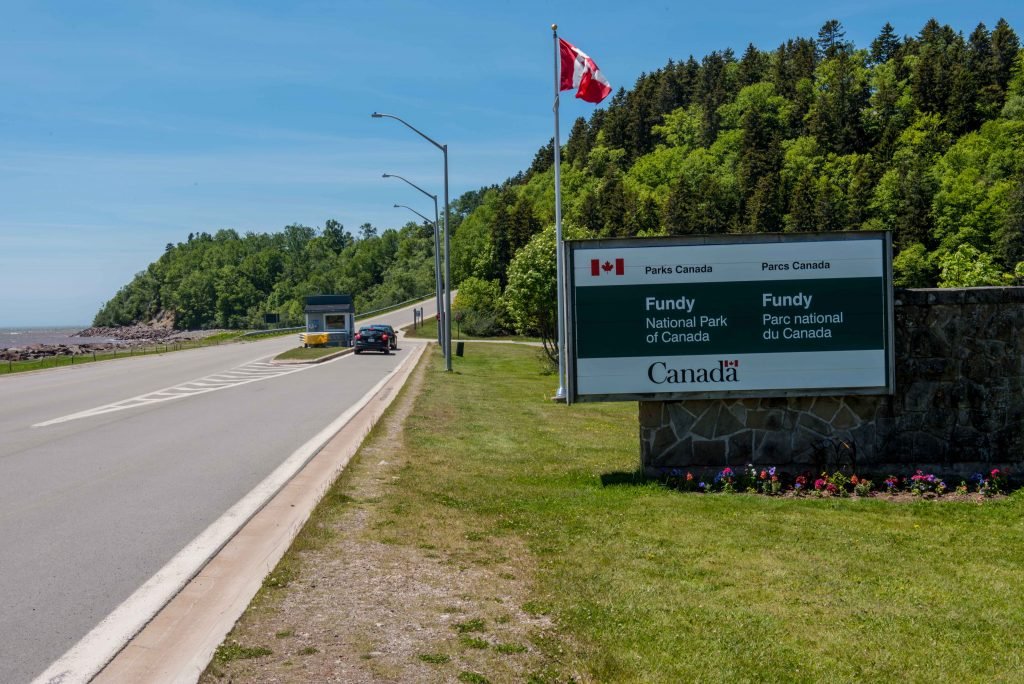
<point x="330" y="320"/>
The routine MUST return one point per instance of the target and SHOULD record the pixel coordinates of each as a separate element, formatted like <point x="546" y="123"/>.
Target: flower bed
<point x="772" y="482"/>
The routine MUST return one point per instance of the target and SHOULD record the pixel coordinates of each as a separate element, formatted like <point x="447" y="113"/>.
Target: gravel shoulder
<point x="352" y="603"/>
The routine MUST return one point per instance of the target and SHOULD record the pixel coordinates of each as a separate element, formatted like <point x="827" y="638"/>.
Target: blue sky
<point x="128" y="125"/>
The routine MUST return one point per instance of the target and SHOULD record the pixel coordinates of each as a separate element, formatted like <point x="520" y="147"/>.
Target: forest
<point x="921" y="135"/>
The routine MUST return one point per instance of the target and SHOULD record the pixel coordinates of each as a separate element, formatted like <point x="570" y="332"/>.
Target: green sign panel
<point x="733" y="315"/>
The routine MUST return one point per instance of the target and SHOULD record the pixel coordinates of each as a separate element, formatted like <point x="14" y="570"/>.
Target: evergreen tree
<point x="1005" y="48"/>
<point x="840" y="94"/>
<point x="543" y="160"/>
<point x="802" y="204"/>
<point x="753" y="66"/>
<point x="830" y="40"/>
<point x="716" y="87"/>
<point x="580" y="143"/>
<point x="939" y="50"/>
<point x="885" y="46"/>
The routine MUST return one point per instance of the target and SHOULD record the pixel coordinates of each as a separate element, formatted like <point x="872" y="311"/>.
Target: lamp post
<point x="437" y="250"/>
<point x="437" y="279"/>
<point x="447" y="240"/>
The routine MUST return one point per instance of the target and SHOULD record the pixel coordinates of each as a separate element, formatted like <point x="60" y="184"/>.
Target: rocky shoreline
<point x="127" y="337"/>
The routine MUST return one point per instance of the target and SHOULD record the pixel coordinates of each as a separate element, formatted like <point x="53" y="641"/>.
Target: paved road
<point x="107" y="470"/>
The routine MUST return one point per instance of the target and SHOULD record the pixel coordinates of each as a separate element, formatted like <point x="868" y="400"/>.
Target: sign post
<point x="730" y="315"/>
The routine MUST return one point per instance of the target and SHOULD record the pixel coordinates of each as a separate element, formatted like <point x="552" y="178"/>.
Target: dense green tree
<point x="753" y="66"/>
<point x="885" y="46"/>
<point x="531" y="295"/>
<point x="831" y="40"/>
<point x="1005" y="51"/>
<point x="479" y="308"/>
<point x="840" y="96"/>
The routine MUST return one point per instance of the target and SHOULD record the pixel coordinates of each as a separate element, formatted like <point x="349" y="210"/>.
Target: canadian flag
<point x="581" y="74"/>
<point x="596" y="267"/>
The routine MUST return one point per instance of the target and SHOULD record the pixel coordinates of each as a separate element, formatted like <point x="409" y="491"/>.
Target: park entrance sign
<point x="729" y="315"/>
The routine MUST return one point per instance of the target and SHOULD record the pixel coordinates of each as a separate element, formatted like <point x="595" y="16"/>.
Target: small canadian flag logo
<point x="731" y="364"/>
<point x="598" y="267"/>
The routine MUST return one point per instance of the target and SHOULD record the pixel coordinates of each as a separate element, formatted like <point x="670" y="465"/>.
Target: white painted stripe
<point x="172" y="393"/>
<point x="86" y="658"/>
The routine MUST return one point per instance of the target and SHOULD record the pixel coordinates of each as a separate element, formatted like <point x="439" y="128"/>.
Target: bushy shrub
<point x="478" y="307"/>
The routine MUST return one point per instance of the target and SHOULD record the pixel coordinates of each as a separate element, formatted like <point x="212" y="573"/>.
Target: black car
<point x="372" y="338"/>
<point x="392" y="334"/>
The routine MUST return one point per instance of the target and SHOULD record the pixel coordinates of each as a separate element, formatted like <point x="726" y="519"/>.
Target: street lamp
<point x="437" y="250"/>
<point x="437" y="274"/>
<point x="447" y="240"/>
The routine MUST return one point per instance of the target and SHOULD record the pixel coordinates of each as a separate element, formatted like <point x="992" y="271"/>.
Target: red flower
<point x="995" y="472"/>
<point x="689" y="477"/>
<point x="854" y="480"/>
<point x="764" y="474"/>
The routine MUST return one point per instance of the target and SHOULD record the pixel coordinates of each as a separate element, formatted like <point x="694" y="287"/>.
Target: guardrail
<point x="399" y="305"/>
<point x="272" y="331"/>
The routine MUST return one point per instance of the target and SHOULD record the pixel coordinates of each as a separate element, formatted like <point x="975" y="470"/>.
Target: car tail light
<point x="358" y="336"/>
<point x="384" y="336"/>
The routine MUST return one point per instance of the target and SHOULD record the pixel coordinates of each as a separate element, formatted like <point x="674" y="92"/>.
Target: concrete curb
<point x="307" y="362"/>
<point x="179" y="641"/>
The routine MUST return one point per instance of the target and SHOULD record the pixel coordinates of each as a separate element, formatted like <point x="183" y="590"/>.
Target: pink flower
<point x="764" y="474"/>
<point x="819" y="484"/>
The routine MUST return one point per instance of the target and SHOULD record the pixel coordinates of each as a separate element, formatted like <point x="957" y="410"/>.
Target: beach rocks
<point x="41" y="351"/>
<point x="135" y="333"/>
<point x="125" y="338"/>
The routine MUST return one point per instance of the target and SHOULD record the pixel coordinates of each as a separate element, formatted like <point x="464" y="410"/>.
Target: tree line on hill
<point x="226" y="280"/>
<point x="922" y="135"/>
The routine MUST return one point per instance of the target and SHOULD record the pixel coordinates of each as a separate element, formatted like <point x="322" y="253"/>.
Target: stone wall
<point x="958" y="406"/>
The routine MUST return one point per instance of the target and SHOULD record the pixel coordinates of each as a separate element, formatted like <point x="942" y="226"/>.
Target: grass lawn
<point x="645" y="584"/>
<point x="428" y="330"/>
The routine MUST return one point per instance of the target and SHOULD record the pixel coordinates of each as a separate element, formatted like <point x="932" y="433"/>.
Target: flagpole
<point x="560" y="395"/>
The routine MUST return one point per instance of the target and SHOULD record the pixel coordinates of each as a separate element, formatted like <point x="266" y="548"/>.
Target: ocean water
<point x="22" y="337"/>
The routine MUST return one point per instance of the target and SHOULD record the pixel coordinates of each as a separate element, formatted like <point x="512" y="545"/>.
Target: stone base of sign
<point x="958" y="407"/>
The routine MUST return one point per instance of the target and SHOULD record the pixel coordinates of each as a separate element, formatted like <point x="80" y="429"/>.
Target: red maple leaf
<point x="607" y="266"/>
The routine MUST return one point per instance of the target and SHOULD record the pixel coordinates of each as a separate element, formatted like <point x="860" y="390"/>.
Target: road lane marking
<point x="97" y="648"/>
<point x="243" y="375"/>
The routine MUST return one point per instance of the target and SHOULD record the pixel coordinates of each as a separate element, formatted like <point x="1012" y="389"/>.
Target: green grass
<point x="232" y="650"/>
<point x="428" y="330"/>
<point x="474" y="625"/>
<point x="307" y="353"/>
<point x="657" y="586"/>
<point x="434" y="658"/>
<point x="473" y="642"/>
